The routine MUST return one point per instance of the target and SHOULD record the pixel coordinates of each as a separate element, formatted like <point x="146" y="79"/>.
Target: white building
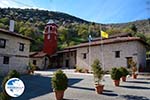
<point x="14" y="51"/>
<point x="112" y="52"/>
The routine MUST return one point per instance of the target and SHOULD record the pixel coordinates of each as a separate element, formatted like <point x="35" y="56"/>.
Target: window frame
<point x="34" y="62"/>
<point x="84" y="55"/>
<point x="6" y="60"/>
<point x="4" y="44"/>
<point x="117" y="54"/>
<point x="21" y="46"/>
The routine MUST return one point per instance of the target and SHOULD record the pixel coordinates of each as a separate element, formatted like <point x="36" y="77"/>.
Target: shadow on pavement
<point x="74" y="80"/>
<point x="143" y="78"/>
<point x="140" y="82"/>
<point x="84" y="88"/>
<point x="70" y="99"/>
<point x="36" y="85"/>
<point x="136" y="87"/>
<point x="105" y="92"/>
<point x="133" y="97"/>
<point x="109" y="93"/>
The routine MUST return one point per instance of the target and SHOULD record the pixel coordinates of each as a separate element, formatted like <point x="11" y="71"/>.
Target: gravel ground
<point x="81" y="87"/>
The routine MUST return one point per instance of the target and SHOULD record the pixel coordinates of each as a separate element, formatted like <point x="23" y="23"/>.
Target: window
<point x="84" y="55"/>
<point x="2" y="43"/>
<point x="34" y="62"/>
<point x="51" y="28"/>
<point x="68" y="54"/>
<point x="6" y="60"/>
<point x="21" y="47"/>
<point x="71" y="53"/>
<point x="117" y="54"/>
<point x="48" y="36"/>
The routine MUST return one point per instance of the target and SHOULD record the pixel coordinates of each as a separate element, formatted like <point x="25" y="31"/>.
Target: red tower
<point x="50" y="38"/>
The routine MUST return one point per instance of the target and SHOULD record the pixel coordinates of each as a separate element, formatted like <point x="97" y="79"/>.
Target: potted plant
<point x="11" y="74"/>
<point x="31" y="68"/>
<point x="59" y="84"/>
<point x="124" y="72"/>
<point x="134" y="69"/>
<point x="98" y="75"/>
<point x="134" y="74"/>
<point x="116" y="75"/>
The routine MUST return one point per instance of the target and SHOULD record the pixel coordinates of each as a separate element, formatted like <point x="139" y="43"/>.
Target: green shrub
<point x="97" y="71"/>
<point x="4" y="96"/>
<point x="14" y="74"/>
<point x="3" y="82"/>
<point x="78" y="69"/>
<point x="11" y="74"/>
<point x="59" y="80"/>
<point x="31" y="67"/>
<point x="116" y="74"/>
<point x="81" y="70"/>
<point x="124" y="71"/>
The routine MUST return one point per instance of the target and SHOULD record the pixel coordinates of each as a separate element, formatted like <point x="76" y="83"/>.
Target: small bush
<point x="81" y="70"/>
<point x="31" y="67"/>
<point x="4" y="82"/>
<point x="116" y="74"/>
<point x="59" y="80"/>
<point x="4" y="96"/>
<point x="13" y="74"/>
<point x="97" y="71"/>
<point x="124" y="71"/>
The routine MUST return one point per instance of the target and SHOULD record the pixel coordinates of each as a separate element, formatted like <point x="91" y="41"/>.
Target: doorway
<point x="129" y="60"/>
<point x="67" y="63"/>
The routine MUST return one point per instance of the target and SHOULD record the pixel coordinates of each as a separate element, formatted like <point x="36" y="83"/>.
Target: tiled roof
<point x="66" y="50"/>
<point x="108" y="41"/>
<point x="14" y="34"/>
<point x="37" y="54"/>
<point x="113" y="36"/>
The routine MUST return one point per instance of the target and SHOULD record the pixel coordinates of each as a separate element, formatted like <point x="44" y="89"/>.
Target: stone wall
<point x="40" y="62"/>
<point x="133" y="49"/>
<point x="17" y="59"/>
<point x="71" y="57"/>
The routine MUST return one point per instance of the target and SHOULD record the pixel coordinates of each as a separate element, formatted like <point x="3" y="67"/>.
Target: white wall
<point x="127" y="49"/>
<point x="17" y="59"/>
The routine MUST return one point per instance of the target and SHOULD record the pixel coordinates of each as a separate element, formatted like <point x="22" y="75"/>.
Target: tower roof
<point x="50" y="21"/>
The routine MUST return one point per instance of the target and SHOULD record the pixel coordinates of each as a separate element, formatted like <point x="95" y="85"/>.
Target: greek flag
<point x="90" y="38"/>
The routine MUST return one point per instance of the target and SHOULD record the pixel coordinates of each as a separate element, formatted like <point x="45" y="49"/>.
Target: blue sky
<point x="101" y="11"/>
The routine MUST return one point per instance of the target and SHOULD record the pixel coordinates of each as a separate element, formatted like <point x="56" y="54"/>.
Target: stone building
<point x="14" y="51"/>
<point x="114" y="51"/>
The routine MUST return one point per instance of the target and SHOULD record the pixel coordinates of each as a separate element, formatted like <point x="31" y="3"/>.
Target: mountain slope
<point x="72" y="30"/>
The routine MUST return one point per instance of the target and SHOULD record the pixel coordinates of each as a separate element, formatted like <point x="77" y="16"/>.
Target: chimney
<point x="11" y="25"/>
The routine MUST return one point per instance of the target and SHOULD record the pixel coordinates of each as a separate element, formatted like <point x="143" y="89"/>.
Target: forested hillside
<point x="72" y="30"/>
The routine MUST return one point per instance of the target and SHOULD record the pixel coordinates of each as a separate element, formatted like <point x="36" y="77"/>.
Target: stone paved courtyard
<point x="81" y="87"/>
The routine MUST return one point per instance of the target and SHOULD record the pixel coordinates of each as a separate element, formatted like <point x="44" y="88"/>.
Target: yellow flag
<point x="104" y="34"/>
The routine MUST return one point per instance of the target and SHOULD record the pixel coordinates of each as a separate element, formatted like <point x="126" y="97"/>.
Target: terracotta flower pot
<point x="134" y="76"/>
<point x="124" y="78"/>
<point x="116" y="82"/>
<point x="99" y="88"/>
<point x="59" y="95"/>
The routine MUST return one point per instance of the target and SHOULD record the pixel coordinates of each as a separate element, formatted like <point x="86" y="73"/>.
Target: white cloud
<point x="13" y="4"/>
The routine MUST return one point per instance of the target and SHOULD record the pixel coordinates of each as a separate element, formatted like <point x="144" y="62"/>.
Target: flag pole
<point x="89" y="39"/>
<point x="102" y="53"/>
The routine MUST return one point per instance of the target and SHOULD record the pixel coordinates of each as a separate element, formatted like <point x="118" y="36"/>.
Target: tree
<point x="112" y="31"/>
<point x="133" y="28"/>
<point x="83" y="31"/>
